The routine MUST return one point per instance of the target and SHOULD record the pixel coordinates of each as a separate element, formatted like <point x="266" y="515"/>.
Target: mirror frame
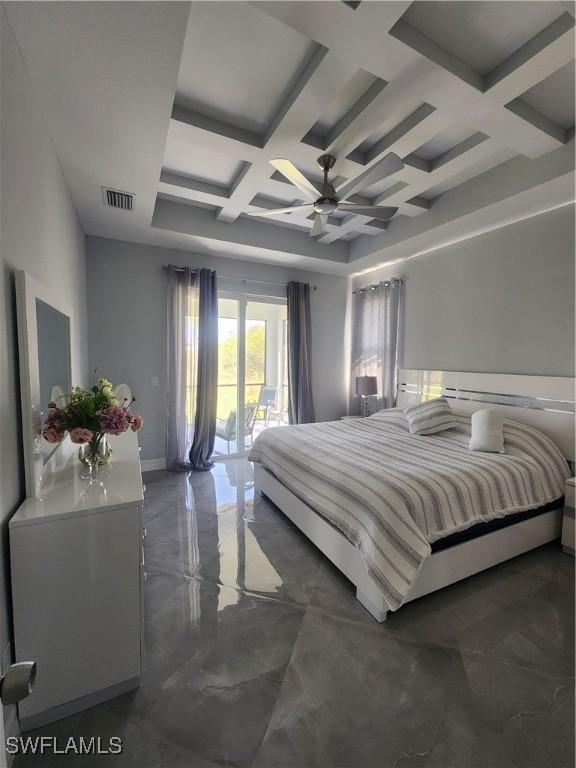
<point x="28" y="290"/>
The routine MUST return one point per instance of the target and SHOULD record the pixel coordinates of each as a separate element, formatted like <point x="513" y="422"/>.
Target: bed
<point x="403" y="515"/>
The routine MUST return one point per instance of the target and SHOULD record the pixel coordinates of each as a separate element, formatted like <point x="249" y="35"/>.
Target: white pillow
<point x="487" y="431"/>
<point x="430" y="417"/>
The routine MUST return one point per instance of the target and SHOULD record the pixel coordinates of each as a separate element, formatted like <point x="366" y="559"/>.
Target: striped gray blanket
<point x="392" y="494"/>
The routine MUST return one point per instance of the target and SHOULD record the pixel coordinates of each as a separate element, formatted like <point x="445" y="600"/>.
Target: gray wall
<point x="501" y="302"/>
<point x="127" y="324"/>
<point x="40" y="233"/>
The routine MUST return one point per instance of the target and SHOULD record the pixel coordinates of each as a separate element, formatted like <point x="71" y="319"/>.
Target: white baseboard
<point x="149" y="464"/>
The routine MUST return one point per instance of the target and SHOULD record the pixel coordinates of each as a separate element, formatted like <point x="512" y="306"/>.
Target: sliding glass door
<point x="252" y="370"/>
<point x="228" y="348"/>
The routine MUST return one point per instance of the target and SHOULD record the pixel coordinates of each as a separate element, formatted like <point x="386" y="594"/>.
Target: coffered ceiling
<point x="477" y="98"/>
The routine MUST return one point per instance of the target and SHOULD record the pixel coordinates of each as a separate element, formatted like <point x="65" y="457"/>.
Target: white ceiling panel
<point x="554" y="96"/>
<point x="199" y="163"/>
<point x="354" y="89"/>
<point x="482" y="33"/>
<point x="444" y="141"/>
<point x="390" y="122"/>
<point x="500" y="156"/>
<point x="238" y="64"/>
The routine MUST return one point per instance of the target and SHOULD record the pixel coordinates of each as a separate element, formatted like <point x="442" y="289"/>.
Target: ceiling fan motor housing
<point x="326" y="162"/>
<point x="326" y="205"/>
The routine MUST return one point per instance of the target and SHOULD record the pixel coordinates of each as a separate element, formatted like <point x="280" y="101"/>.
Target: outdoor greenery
<point x="227" y="363"/>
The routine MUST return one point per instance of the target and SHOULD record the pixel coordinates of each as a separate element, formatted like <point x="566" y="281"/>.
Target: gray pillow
<point x="430" y="417"/>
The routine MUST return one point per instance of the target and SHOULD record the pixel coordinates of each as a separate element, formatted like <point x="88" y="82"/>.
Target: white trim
<point x="28" y="290"/>
<point x="438" y="571"/>
<point x="148" y="465"/>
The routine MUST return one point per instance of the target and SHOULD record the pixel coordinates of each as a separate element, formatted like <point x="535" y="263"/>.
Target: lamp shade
<point x="366" y="385"/>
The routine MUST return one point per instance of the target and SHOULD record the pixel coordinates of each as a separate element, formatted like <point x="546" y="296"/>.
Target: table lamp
<point x="366" y="386"/>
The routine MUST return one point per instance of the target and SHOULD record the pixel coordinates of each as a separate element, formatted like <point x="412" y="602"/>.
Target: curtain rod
<point x="392" y="281"/>
<point x="235" y="277"/>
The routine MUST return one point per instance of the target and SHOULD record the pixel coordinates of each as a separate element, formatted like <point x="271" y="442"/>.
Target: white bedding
<point x="392" y="493"/>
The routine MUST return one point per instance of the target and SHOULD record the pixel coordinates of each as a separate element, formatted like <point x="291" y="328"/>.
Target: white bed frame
<point x="544" y="402"/>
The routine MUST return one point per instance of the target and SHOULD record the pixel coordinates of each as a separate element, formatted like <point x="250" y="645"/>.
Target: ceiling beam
<point x="260" y="235"/>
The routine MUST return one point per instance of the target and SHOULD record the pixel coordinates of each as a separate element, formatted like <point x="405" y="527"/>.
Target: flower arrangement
<point x="88" y="415"/>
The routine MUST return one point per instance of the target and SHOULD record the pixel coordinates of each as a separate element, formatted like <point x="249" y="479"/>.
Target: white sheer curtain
<point x="182" y="347"/>
<point x="375" y="326"/>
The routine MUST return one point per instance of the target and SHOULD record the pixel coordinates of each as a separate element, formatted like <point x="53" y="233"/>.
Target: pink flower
<point x="114" y="420"/>
<point x="137" y="423"/>
<point x="80" y="435"/>
<point x="57" y="418"/>
<point x="52" y="435"/>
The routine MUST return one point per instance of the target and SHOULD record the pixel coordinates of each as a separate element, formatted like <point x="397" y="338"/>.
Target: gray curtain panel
<point x="182" y="364"/>
<point x="207" y="381"/>
<point x="375" y="330"/>
<point x="300" y="401"/>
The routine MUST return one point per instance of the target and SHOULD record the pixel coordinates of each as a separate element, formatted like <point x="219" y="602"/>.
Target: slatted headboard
<point x="544" y="402"/>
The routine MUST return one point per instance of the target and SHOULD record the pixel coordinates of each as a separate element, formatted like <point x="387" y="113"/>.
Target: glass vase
<point x="95" y="453"/>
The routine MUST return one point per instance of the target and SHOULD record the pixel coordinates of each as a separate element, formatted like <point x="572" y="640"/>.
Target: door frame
<point x="243" y="300"/>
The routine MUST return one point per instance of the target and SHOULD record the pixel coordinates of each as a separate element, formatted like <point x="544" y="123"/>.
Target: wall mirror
<point x="44" y="343"/>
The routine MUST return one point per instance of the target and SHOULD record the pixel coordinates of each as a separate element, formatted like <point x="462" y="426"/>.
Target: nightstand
<point x="568" y="544"/>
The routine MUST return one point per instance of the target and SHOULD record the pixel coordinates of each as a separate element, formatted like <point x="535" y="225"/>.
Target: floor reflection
<point x="234" y="552"/>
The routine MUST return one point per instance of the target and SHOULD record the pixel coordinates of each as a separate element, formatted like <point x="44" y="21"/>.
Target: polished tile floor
<point x="257" y="653"/>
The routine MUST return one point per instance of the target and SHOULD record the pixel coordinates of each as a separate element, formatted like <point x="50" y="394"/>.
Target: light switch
<point x="154" y="381"/>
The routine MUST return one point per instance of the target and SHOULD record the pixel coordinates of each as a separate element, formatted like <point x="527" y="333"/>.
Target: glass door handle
<point x="18" y="681"/>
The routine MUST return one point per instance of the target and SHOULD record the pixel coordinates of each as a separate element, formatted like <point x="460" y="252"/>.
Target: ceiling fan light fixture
<point x="325" y="205"/>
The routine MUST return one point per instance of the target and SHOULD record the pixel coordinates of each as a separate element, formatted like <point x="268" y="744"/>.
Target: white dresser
<point x="568" y="531"/>
<point x="77" y="569"/>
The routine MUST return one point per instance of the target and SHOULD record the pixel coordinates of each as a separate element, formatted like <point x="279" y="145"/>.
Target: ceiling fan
<point x="325" y="199"/>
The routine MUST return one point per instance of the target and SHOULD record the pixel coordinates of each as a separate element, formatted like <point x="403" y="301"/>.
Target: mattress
<point x="481" y="529"/>
<point x="393" y="494"/>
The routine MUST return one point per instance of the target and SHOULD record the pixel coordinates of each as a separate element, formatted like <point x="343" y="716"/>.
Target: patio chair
<point x="266" y="402"/>
<point x="226" y="428"/>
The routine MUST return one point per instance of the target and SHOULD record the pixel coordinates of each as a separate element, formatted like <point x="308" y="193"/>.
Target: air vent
<point x="113" y="198"/>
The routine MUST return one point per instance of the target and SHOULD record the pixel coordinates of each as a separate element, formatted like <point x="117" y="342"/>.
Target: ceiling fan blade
<point x="380" y="170"/>
<point x="319" y="226"/>
<point x="381" y="212"/>
<point x="274" y="211"/>
<point x="296" y="177"/>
